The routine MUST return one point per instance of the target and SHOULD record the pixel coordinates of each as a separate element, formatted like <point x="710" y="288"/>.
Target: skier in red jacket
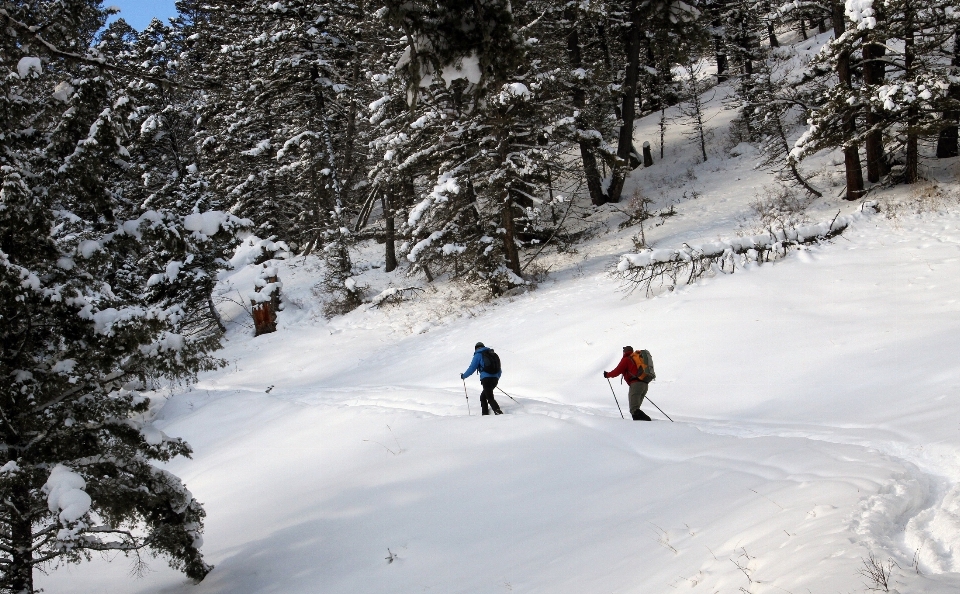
<point x="638" y="389"/>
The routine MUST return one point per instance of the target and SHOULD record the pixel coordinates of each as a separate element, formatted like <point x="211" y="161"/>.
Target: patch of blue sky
<point x="139" y="13"/>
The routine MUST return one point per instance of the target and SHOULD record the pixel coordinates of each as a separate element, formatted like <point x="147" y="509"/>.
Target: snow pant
<point x="637" y="392"/>
<point x="486" y="397"/>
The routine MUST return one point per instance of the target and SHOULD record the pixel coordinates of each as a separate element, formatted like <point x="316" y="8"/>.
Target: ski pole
<point x="615" y="399"/>
<point x="661" y="410"/>
<point x="508" y="395"/>
<point x="465" y="395"/>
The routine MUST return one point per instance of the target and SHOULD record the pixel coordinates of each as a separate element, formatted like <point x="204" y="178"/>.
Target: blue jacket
<point x="475" y="365"/>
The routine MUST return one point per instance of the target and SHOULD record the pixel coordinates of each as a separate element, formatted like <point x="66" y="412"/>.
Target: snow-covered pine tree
<point x="905" y="87"/>
<point x="496" y="141"/>
<point x="165" y="175"/>
<point x="916" y="92"/>
<point x="407" y="140"/>
<point x="85" y="329"/>
<point x="833" y="122"/>
<point x="239" y="116"/>
<point x="282" y="142"/>
<point x="743" y="26"/>
<point x="713" y="13"/>
<point x="873" y="71"/>
<point x="695" y="84"/>
<point x="775" y="94"/>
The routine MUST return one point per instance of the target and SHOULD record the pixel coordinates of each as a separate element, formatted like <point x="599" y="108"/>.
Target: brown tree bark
<point x="851" y="151"/>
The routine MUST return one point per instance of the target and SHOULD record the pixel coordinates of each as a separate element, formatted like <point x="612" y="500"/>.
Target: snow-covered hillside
<point x="816" y="404"/>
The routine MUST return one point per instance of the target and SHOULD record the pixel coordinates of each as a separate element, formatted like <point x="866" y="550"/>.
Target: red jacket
<point x="626" y="367"/>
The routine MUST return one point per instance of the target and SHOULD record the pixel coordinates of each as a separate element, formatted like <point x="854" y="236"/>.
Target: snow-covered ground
<point x="816" y="404"/>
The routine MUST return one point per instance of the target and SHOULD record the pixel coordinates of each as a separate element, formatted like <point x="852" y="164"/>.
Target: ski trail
<point x="916" y="516"/>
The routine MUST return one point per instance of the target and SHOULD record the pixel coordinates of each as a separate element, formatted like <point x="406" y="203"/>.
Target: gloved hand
<point x="605" y="374"/>
<point x="462" y="377"/>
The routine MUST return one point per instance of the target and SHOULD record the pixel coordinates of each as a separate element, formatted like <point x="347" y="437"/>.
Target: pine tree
<point x="834" y="121"/>
<point x="407" y="140"/>
<point x="95" y="293"/>
<point x="282" y="127"/>
<point x="469" y="62"/>
<point x="918" y="92"/>
<point x="165" y="175"/>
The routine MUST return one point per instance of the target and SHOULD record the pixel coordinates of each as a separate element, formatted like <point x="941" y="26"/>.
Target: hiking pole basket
<point x="467" y="397"/>
<point x="661" y="410"/>
<point x="615" y="399"/>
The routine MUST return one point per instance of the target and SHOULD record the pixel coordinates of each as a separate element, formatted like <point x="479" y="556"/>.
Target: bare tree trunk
<point x="627" y="109"/>
<point x="873" y="75"/>
<point x="390" y="249"/>
<point x="950" y="135"/>
<point x="851" y="151"/>
<point x="587" y="155"/>
<point x="663" y="127"/>
<point x="318" y="209"/>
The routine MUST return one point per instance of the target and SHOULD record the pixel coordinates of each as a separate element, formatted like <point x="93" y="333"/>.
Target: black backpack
<point x="489" y="362"/>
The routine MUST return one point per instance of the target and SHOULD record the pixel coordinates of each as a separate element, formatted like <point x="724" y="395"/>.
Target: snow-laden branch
<point x="670" y="265"/>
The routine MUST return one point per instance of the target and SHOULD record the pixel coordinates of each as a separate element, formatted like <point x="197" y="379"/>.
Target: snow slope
<point x="816" y="403"/>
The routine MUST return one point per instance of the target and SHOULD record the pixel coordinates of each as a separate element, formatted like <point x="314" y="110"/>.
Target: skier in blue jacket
<point x="487" y="380"/>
